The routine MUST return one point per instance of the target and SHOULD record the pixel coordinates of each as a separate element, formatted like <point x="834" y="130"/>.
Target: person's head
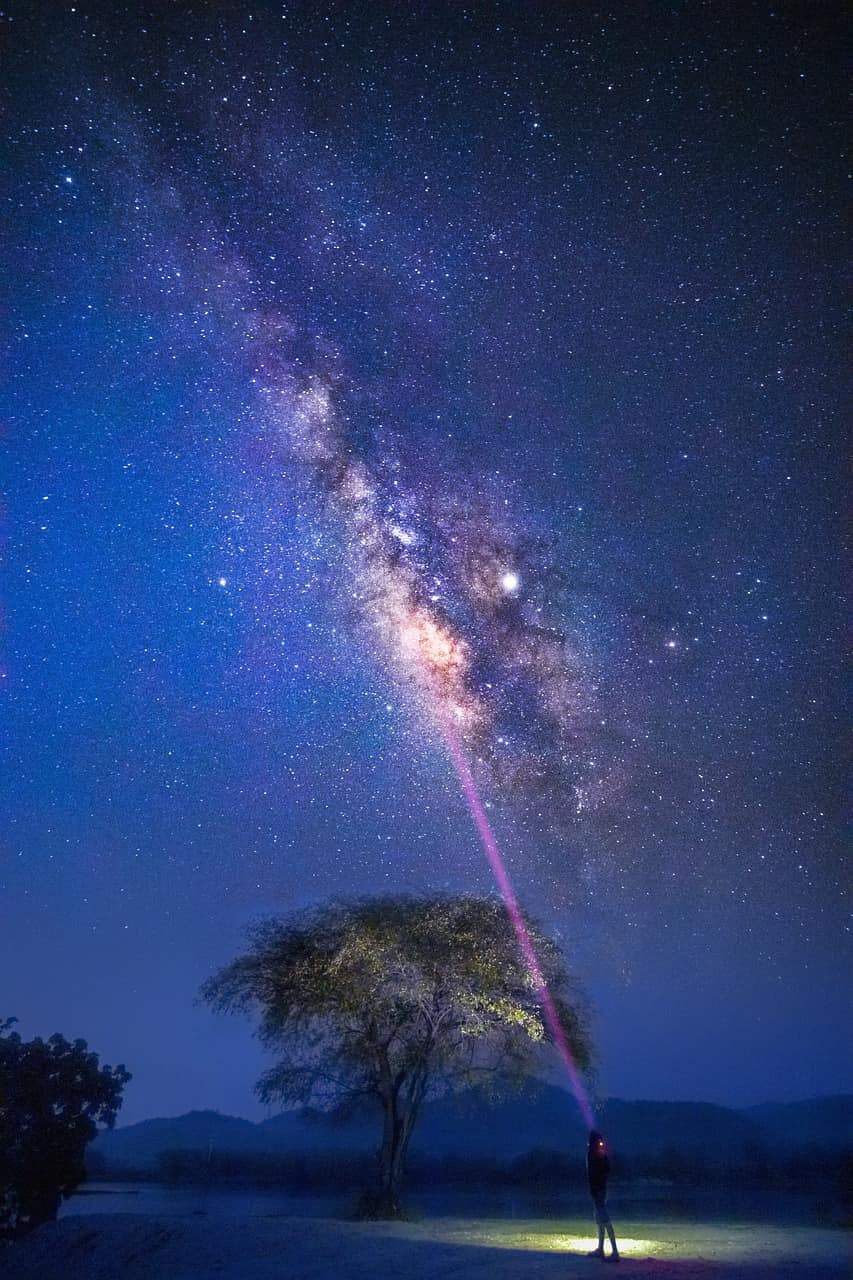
<point x="597" y="1145"/>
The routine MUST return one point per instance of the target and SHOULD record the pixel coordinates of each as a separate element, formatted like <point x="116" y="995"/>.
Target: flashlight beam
<point x="493" y="853"/>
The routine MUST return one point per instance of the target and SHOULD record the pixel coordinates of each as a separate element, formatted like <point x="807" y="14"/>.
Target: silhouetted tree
<point x="53" y="1095"/>
<point x="391" y="998"/>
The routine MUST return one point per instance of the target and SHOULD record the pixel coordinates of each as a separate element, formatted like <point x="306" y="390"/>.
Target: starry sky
<point x="375" y="367"/>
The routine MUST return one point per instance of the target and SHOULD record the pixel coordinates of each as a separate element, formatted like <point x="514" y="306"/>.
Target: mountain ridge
<point x="470" y="1125"/>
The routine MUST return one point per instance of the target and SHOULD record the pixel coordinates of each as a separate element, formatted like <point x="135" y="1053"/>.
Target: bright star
<point x="510" y="582"/>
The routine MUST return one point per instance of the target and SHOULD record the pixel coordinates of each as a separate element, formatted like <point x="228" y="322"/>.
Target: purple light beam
<point x="501" y="874"/>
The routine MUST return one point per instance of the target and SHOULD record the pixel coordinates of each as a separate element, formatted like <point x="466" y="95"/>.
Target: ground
<point x="133" y="1247"/>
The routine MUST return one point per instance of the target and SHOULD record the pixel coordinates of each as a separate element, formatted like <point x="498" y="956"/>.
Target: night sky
<point x="375" y="367"/>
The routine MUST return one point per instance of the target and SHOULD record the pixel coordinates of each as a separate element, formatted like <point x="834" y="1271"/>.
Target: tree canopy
<point x="391" y="998"/>
<point x="53" y="1095"/>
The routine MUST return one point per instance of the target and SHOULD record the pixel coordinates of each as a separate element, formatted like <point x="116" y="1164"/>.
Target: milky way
<point x="452" y="595"/>
<point x="374" y="369"/>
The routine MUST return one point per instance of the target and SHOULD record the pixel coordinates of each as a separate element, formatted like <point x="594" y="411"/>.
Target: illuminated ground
<point x="139" y="1248"/>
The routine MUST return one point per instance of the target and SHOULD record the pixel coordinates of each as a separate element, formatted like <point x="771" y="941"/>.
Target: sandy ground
<point x="130" y="1247"/>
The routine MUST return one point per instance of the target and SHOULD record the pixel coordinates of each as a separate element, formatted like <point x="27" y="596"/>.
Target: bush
<point x="53" y="1095"/>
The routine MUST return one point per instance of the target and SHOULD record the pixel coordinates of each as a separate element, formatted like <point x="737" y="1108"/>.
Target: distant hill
<point x="698" y="1129"/>
<point x="824" y="1122"/>
<point x="138" y="1145"/>
<point x="549" y="1120"/>
<point x="467" y="1125"/>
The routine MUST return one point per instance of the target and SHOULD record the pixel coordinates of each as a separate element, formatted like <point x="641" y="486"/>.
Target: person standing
<point x="597" y="1172"/>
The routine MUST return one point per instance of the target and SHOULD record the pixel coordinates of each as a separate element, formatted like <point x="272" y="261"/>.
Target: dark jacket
<point x="597" y="1172"/>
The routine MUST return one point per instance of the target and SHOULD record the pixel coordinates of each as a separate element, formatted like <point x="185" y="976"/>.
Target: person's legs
<point x="600" y="1215"/>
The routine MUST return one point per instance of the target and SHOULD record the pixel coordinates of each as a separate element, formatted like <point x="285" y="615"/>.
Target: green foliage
<point x="53" y="1095"/>
<point x="394" y="997"/>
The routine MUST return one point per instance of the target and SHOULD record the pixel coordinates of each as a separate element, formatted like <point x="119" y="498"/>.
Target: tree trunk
<point x="384" y="1200"/>
<point x="399" y="1123"/>
<point x="390" y="1163"/>
<point x="401" y="1099"/>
